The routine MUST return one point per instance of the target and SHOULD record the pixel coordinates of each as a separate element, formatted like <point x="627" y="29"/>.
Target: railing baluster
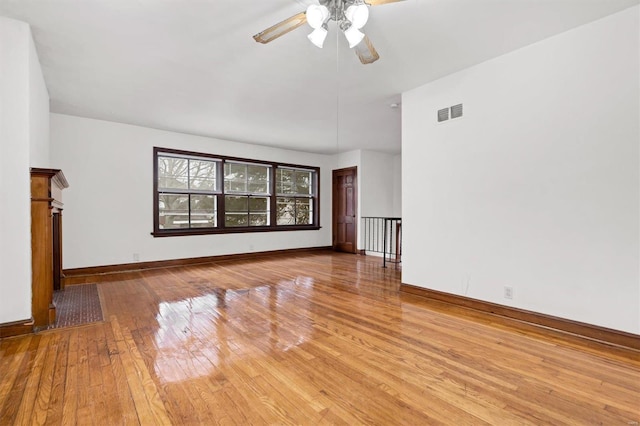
<point x="383" y="235"/>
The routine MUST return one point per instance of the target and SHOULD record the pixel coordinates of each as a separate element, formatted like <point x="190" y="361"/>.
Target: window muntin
<point x="240" y="178"/>
<point x="181" y="184"/>
<point x="291" y="181"/>
<point x="202" y="193"/>
<point x="251" y="182"/>
<point x="187" y="174"/>
<point x="294" y="202"/>
<point x="246" y="210"/>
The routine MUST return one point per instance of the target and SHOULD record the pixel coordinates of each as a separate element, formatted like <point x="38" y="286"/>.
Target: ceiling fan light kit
<point x="319" y="35"/>
<point x="357" y="14"/>
<point x="353" y="35"/>
<point x="317" y="15"/>
<point x="350" y="16"/>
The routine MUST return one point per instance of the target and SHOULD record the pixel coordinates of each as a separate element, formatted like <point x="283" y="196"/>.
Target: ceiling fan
<point x="349" y="15"/>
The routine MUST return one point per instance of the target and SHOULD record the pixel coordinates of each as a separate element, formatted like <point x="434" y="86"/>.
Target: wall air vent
<point x="449" y="113"/>
<point x="443" y="115"/>
<point x="456" y="111"/>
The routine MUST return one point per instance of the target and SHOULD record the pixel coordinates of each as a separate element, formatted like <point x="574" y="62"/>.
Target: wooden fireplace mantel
<point x="46" y="242"/>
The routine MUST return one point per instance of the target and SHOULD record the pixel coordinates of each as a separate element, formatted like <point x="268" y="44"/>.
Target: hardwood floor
<point x="316" y="338"/>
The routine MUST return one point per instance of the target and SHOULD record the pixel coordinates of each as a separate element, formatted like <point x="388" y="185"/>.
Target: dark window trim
<point x="221" y="229"/>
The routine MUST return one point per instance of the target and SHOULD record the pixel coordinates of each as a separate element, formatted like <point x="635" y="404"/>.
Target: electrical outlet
<point x="136" y="257"/>
<point x="508" y="292"/>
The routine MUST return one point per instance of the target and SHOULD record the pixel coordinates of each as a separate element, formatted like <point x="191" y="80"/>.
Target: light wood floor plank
<point x="14" y="352"/>
<point x="55" y="403"/>
<point x="32" y="390"/>
<point x="148" y="405"/>
<point x="70" y="400"/>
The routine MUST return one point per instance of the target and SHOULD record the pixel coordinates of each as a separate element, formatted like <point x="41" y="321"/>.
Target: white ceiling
<point x="193" y="66"/>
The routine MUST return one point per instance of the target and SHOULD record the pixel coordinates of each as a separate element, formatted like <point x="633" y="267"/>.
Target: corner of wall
<point x="15" y="224"/>
<point x="39" y="153"/>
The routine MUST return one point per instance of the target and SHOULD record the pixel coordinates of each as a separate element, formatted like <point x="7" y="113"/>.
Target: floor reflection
<point x="199" y="335"/>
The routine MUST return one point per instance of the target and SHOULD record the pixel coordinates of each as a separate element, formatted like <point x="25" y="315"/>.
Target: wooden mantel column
<point x="46" y="242"/>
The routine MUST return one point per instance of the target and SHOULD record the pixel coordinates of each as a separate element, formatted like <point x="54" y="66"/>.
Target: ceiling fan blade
<point x="379" y="2"/>
<point x="366" y="52"/>
<point x="281" y="28"/>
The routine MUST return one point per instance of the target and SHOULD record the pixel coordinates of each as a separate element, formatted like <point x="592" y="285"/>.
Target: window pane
<point x="236" y="211"/>
<point x="303" y="182"/>
<point x="259" y="209"/>
<point x="172" y="173"/>
<point x="258" y="173"/>
<point x="202" y="175"/>
<point x="174" y="211"/>
<point x="236" y="219"/>
<point x="285" y="181"/>
<point x="203" y="211"/>
<point x="259" y="219"/>
<point x="236" y="203"/>
<point x="285" y="213"/>
<point x="235" y="177"/>
<point x="259" y="187"/>
<point x="258" y="204"/>
<point x="258" y="177"/>
<point x="304" y="211"/>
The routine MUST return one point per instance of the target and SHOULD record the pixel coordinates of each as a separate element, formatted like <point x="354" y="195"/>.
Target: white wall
<point x="376" y="184"/>
<point x="397" y="186"/>
<point x="537" y="186"/>
<point x="349" y="159"/>
<point x="24" y="111"/>
<point x="108" y="212"/>
<point x="38" y="112"/>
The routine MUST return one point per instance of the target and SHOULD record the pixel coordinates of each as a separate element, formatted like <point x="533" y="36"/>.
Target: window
<point x="294" y="190"/>
<point x="186" y="192"/>
<point x="205" y="194"/>
<point x="247" y="192"/>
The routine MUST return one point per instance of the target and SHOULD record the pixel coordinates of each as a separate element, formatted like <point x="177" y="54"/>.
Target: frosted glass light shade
<point x="353" y="36"/>
<point x="357" y="14"/>
<point x="316" y="15"/>
<point x="318" y="36"/>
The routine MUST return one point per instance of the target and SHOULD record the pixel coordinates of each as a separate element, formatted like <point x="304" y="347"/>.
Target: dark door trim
<point x="338" y="245"/>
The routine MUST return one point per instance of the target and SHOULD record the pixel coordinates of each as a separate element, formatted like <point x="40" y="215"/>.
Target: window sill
<point x="243" y="230"/>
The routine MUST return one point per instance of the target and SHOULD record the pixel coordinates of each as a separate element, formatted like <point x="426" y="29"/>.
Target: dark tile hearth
<point x="77" y="305"/>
